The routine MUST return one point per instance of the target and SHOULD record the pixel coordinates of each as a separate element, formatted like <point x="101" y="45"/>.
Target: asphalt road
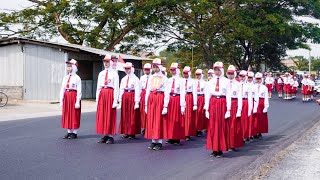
<point x="33" y="149"/>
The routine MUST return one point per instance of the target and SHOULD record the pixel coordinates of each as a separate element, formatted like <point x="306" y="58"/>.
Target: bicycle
<point x="3" y="99"/>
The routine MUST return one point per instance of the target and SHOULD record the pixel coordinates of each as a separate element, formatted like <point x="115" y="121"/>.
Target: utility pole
<point x="309" y="61"/>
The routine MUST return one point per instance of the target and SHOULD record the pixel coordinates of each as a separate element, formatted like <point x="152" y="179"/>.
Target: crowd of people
<point x="230" y="108"/>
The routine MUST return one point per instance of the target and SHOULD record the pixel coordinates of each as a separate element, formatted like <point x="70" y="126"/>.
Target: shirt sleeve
<point x="266" y="98"/>
<point x="166" y="93"/>
<point x="206" y="96"/>
<point x="116" y="88"/>
<point x="194" y="92"/>
<point x="63" y="88"/>
<point x="98" y="87"/>
<point x="121" y="89"/>
<point x="79" y="89"/>
<point x="182" y="93"/>
<point x="148" y="89"/>
<point x="228" y="96"/>
<point x="137" y="89"/>
<point x="239" y="97"/>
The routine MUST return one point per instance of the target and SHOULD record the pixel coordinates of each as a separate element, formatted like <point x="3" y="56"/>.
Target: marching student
<point x="107" y="101"/>
<point x="251" y="117"/>
<point x="200" y="117"/>
<point x="234" y="97"/>
<point x="217" y="112"/>
<point x="154" y="106"/>
<point x="286" y="86"/>
<point x="70" y="100"/>
<point x="144" y="82"/>
<point x="305" y="88"/>
<point x="279" y="86"/>
<point x="129" y="99"/>
<point x="291" y="82"/>
<point x="247" y="104"/>
<point x="261" y="105"/>
<point x="191" y="104"/>
<point x="295" y="87"/>
<point x="311" y="85"/>
<point x="269" y="82"/>
<point x="174" y="107"/>
<point x="210" y="74"/>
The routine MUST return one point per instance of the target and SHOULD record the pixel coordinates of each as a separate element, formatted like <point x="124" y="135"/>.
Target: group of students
<point x="176" y="108"/>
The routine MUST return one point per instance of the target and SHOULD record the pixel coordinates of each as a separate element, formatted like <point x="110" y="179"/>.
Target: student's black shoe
<point x="152" y="145"/>
<point x="66" y="136"/>
<point x="143" y="131"/>
<point x="125" y="136"/>
<point x="199" y="133"/>
<point x="110" y="140"/>
<point x="170" y="141"/>
<point x="132" y="137"/>
<point x="158" y="147"/>
<point x="214" y="154"/>
<point x="219" y="154"/>
<point x="176" y="142"/>
<point x="73" y="136"/>
<point x="188" y="138"/>
<point x="103" y="139"/>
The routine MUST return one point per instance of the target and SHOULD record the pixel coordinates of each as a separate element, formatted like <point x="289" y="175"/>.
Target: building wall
<point x="44" y="70"/>
<point x="13" y="92"/>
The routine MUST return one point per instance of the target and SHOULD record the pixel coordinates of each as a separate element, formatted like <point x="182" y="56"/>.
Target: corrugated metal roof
<point x="73" y="47"/>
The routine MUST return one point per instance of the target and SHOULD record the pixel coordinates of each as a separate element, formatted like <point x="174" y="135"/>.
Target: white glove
<point x="164" y="111"/>
<point x="207" y="114"/>
<point x="227" y="115"/>
<point x="119" y="105"/>
<point x="265" y="110"/>
<point x="145" y="109"/>
<point x="136" y="105"/>
<point x="183" y="110"/>
<point x="195" y="108"/>
<point x="77" y="105"/>
<point x="238" y="114"/>
<point x="254" y="111"/>
<point x="114" y="105"/>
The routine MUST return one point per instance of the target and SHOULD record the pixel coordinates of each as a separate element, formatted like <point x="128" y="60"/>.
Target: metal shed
<point x="33" y="70"/>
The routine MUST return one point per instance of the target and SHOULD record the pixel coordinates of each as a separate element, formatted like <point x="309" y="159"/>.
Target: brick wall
<point x="13" y="92"/>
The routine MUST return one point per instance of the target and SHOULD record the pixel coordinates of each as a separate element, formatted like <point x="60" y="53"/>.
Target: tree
<point x="96" y="23"/>
<point x="301" y="63"/>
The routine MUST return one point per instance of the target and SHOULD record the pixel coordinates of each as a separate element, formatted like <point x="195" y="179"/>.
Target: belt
<point x="69" y="90"/>
<point x="213" y="96"/>
<point x="200" y="94"/>
<point x="245" y="98"/>
<point x="174" y="94"/>
<point x="234" y="98"/>
<point x="261" y="98"/>
<point x="157" y="92"/>
<point x="189" y="93"/>
<point x="127" y="90"/>
<point x="106" y="87"/>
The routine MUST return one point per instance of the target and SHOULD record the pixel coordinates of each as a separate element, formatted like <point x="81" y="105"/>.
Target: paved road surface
<point x="33" y="149"/>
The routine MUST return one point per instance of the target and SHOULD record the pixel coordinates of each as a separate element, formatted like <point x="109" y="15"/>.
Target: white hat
<point x="186" y="69"/>
<point x="243" y="73"/>
<point x="108" y="57"/>
<point x="199" y="72"/>
<point x="147" y="66"/>
<point x="157" y="61"/>
<point x="128" y="65"/>
<point x="174" y="66"/>
<point x="231" y="69"/>
<point x="250" y="74"/>
<point x="258" y="75"/>
<point x="73" y="61"/>
<point x="218" y="64"/>
<point x="211" y="71"/>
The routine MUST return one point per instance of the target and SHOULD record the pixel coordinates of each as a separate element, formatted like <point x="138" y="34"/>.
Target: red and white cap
<point x="218" y="64"/>
<point x="108" y="57"/>
<point x="250" y="74"/>
<point x="147" y="66"/>
<point x="128" y="65"/>
<point x="211" y="71"/>
<point x="243" y="73"/>
<point x="199" y="72"/>
<point x="72" y="61"/>
<point x="157" y="61"/>
<point x="186" y="69"/>
<point x="231" y="69"/>
<point x="258" y="75"/>
<point x="175" y="66"/>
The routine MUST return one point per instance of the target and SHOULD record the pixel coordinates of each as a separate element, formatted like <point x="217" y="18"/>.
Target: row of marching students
<point x="237" y="111"/>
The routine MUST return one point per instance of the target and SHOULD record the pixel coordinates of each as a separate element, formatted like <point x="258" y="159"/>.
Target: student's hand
<point x="77" y="105"/>
<point x="164" y="111"/>
<point x="114" y="105"/>
<point x="195" y="108"/>
<point x="227" y="115"/>
<point x="207" y="114"/>
<point x="136" y="106"/>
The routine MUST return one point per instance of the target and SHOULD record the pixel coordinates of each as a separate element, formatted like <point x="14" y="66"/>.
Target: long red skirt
<point x="269" y="86"/>
<point x="279" y="87"/>
<point x="236" y="136"/>
<point x="154" y="123"/>
<point x="106" y="117"/>
<point x="287" y="88"/>
<point x="261" y="122"/>
<point x="130" y="118"/>
<point x="217" y="136"/>
<point x="173" y="121"/>
<point x="252" y="121"/>
<point x="294" y="90"/>
<point x="189" y="117"/>
<point x="245" y="119"/>
<point x="304" y="90"/>
<point x="143" y="115"/>
<point x="70" y="115"/>
<point x="200" y="115"/>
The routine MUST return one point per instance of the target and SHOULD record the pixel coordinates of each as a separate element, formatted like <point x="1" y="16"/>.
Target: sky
<point x="315" y="52"/>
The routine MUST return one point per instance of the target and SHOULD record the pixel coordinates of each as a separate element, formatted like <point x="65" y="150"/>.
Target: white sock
<point x="110" y="135"/>
<point x="160" y="141"/>
<point x="154" y="141"/>
<point x="75" y="131"/>
<point x="69" y="130"/>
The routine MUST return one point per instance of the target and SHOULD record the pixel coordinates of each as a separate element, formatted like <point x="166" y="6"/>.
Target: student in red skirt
<point x="107" y="101"/>
<point x="261" y="106"/>
<point x="304" y="88"/>
<point x="234" y="97"/>
<point x="175" y="104"/>
<point x="216" y="111"/>
<point x="295" y="87"/>
<point x="311" y="87"/>
<point x="144" y="82"/>
<point x="269" y="82"/>
<point x="70" y="100"/>
<point x="251" y="117"/>
<point x="279" y="86"/>
<point x="200" y="116"/>
<point x="154" y="106"/>
<point x="191" y="104"/>
<point x="129" y="99"/>
<point x="286" y="86"/>
<point x="246" y="104"/>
